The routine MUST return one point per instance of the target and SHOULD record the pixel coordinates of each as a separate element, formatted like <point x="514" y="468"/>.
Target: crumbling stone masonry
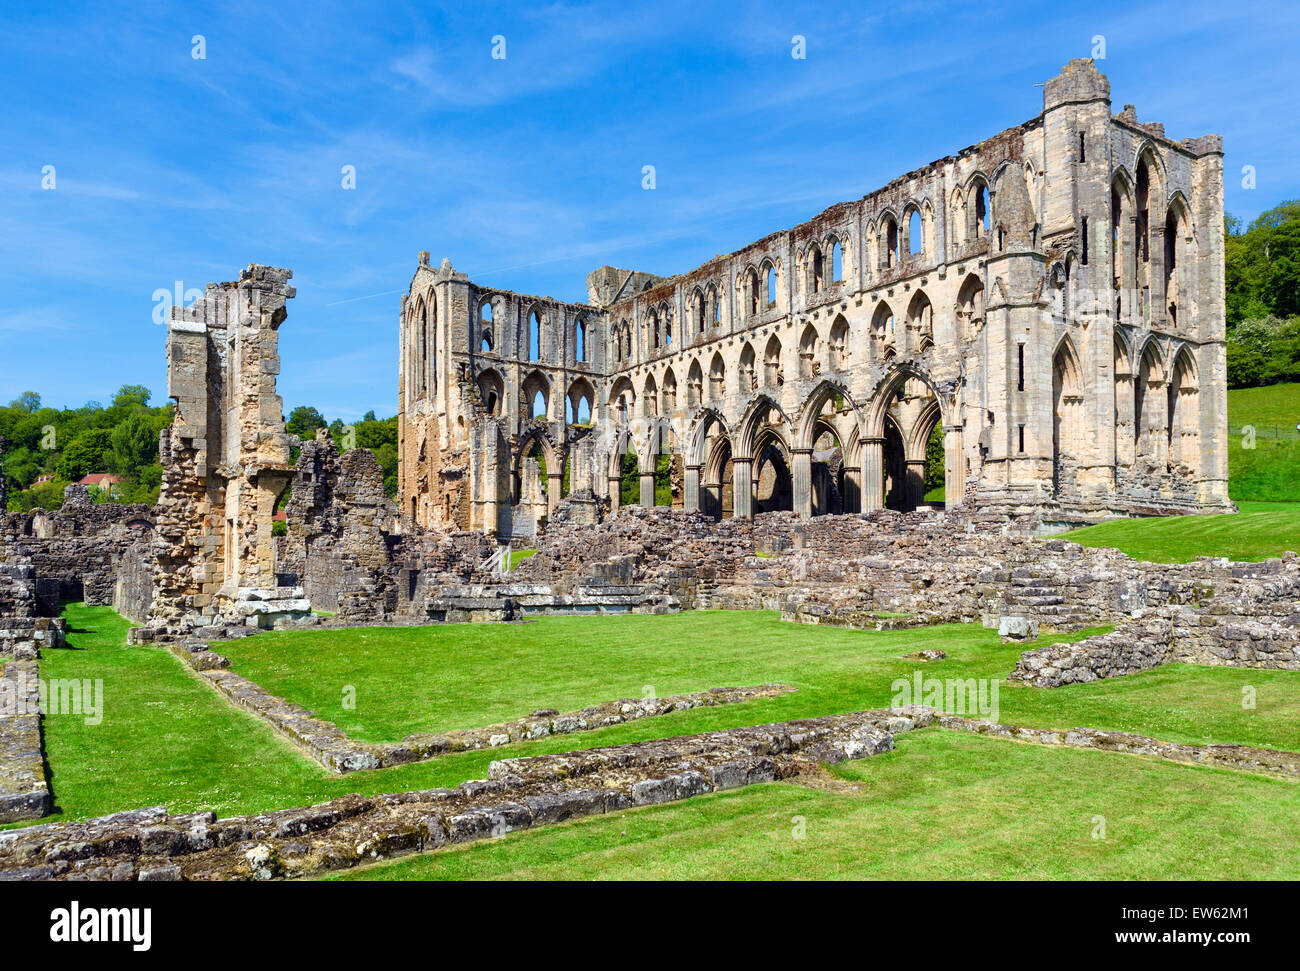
<point x="226" y="460"/>
<point x="1051" y="298"/>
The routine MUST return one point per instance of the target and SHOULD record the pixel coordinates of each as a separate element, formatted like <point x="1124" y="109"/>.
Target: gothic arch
<point x="810" y="413"/>
<point x="491" y="390"/>
<point x="747" y="430"/>
<point x="1184" y="413"/>
<point x="533" y="385"/>
<point x="841" y="351"/>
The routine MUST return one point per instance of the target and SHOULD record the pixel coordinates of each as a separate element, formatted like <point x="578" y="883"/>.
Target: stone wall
<point x="1209" y="612"/>
<point x="806" y="370"/>
<point x="520" y="793"/>
<point x="77" y="548"/>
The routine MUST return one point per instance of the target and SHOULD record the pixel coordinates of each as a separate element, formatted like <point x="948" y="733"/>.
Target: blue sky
<point x="525" y="172"/>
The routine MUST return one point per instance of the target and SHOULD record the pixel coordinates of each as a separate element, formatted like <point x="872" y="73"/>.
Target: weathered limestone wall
<point x="1051" y="298"/>
<point x="225" y="457"/>
<point x="76" y="550"/>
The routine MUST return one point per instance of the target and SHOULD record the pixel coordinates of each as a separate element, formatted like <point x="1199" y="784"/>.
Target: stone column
<point x="801" y="474"/>
<point x="554" y="486"/>
<point x="742" y="498"/>
<point x="647" y="489"/>
<point x="915" y="482"/>
<point x="1125" y="420"/>
<point x="873" y="474"/>
<point x="852" y="488"/>
<point x="615" y="493"/>
<point x="954" y="466"/>
<point x="691" y="501"/>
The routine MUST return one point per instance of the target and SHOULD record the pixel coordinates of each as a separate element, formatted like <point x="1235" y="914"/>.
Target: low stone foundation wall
<point x="337" y="751"/>
<point x="1137" y="646"/>
<point x="1242" y="757"/>
<point x="500" y="602"/>
<point x="150" y="844"/>
<point x="1227" y="633"/>
<point x="23" y="638"/>
<point x="24" y="790"/>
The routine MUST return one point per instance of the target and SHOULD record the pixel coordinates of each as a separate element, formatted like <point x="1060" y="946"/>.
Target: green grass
<point x="1270" y="471"/>
<point x="944" y="805"/>
<point x="518" y="556"/>
<point x="462" y="676"/>
<point x="1274" y="405"/>
<point x="1259" y="531"/>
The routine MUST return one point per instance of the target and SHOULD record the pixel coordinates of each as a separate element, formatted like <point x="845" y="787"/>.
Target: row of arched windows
<point x="532" y="345"/>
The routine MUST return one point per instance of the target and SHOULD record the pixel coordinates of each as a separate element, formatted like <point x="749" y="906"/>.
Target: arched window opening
<point x="982" y="216"/>
<point x="539" y="405"/>
<point x="580" y="340"/>
<point x="773" y="375"/>
<point x="809" y="365"/>
<point x="840" y="343"/>
<point x="771" y="286"/>
<point x="670" y="392"/>
<point x="534" y="335"/>
<point x="970" y="307"/>
<point x="837" y="262"/>
<point x="751" y="281"/>
<point x="486" y="339"/>
<point x="915" y="235"/>
<point x="816" y="275"/>
<point x="694" y="386"/>
<point x="717" y="378"/>
<point x="889" y="258"/>
<point x="748" y="371"/>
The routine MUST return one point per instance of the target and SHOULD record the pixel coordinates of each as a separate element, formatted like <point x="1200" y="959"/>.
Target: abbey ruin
<point x="1050" y="299"/>
<point x="1046" y="308"/>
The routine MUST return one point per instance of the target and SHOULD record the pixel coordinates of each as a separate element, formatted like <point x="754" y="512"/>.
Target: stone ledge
<point x="24" y="789"/>
<point x="1241" y="757"/>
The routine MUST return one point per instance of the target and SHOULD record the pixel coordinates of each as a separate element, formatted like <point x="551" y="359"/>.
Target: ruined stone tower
<point x="1047" y="304"/>
<point x="225" y="458"/>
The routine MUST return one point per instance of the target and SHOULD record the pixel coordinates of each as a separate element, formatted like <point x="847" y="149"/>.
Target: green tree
<point x="303" y="422"/>
<point x="86" y="453"/>
<point x="132" y="394"/>
<point x="28" y="402"/>
<point x="135" y="444"/>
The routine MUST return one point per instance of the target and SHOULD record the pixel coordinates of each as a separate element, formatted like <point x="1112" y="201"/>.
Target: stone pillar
<point x="647" y="489"/>
<point x="873" y="474"/>
<point x="615" y="493"/>
<point x="801" y="474"/>
<point x="915" y="482"/>
<point x="691" y="501"/>
<point x="954" y="466"/>
<point x="554" y="486"/>
<point x="852" y="488"/>
<point x="742" y="498"/>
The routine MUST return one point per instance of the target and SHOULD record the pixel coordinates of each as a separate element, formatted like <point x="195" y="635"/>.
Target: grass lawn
<point x="944" y="805"/>
<point x="1270" y="471"/>
<point x="1274" y="405"/>
<point x="167" y="738"/>
<point x="1260" y="530"/>
<point x="462" y="676"/>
